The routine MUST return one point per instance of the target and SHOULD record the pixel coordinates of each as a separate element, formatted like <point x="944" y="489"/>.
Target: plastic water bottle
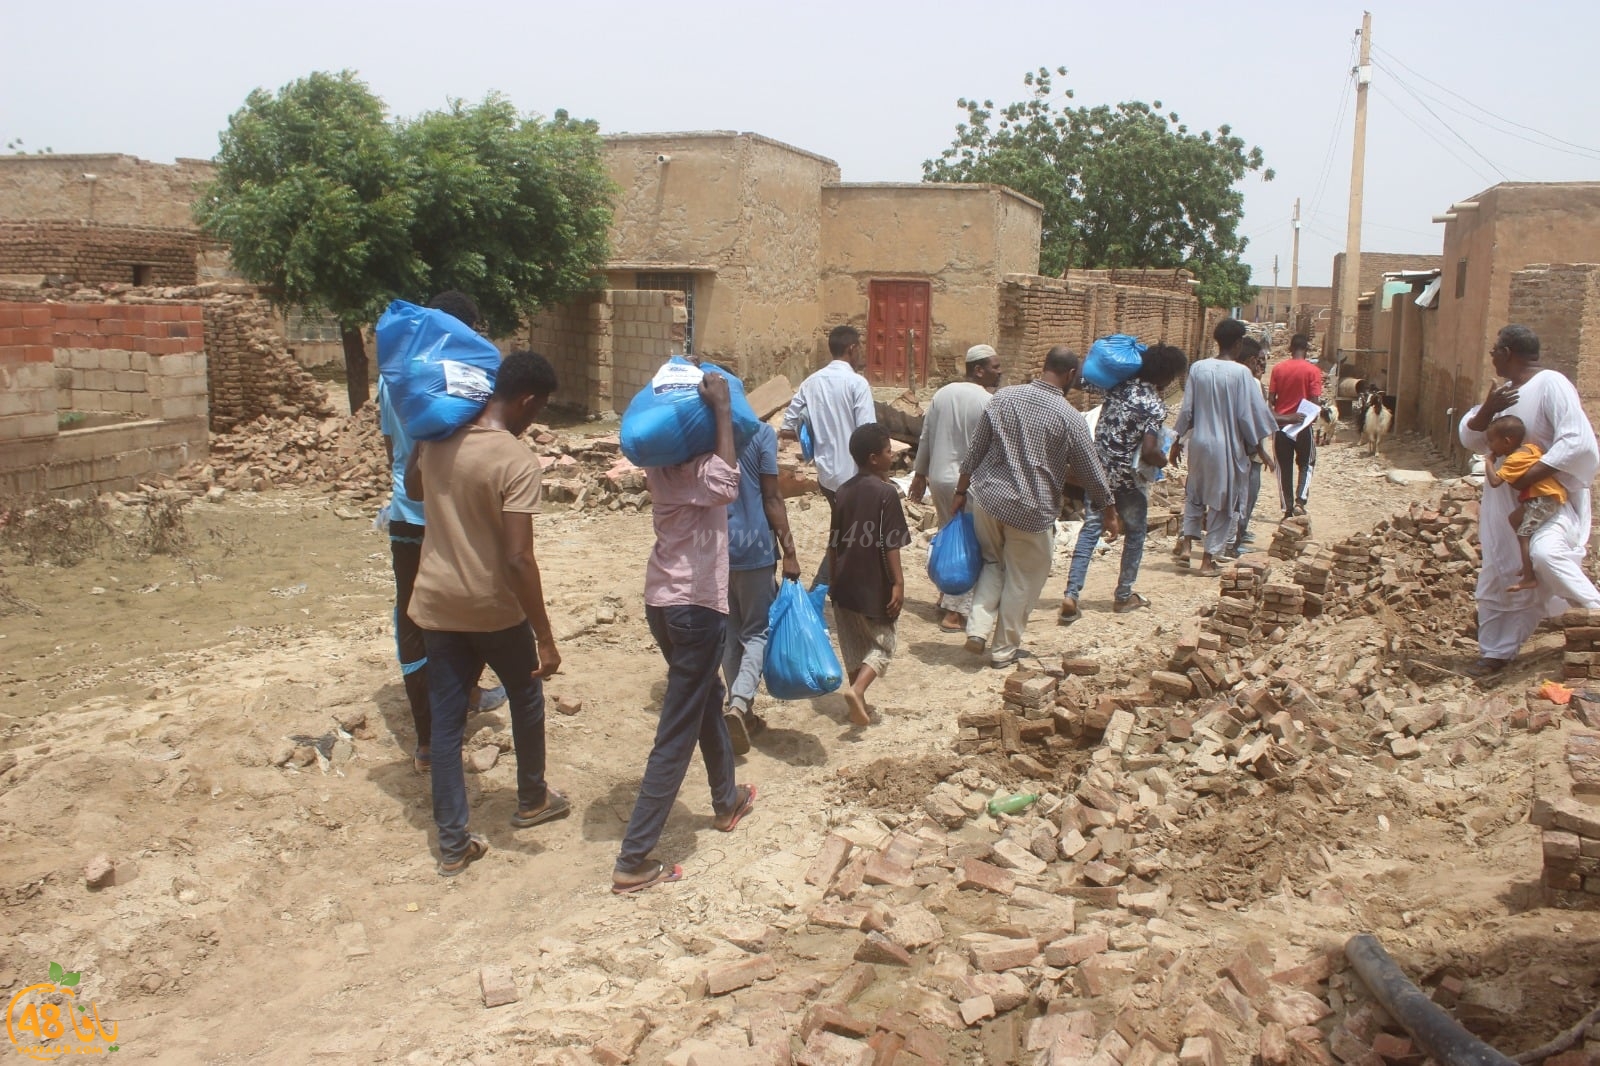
<point x="1012" y="804"/>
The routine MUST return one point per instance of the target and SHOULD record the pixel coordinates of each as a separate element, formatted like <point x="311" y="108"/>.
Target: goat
<point x="1372" y="415"/>
<point x="1326" y="425"/>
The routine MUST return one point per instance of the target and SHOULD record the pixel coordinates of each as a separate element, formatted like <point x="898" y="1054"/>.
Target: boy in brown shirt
<point x="868" y="586"/>
<point x="478" y="597"/>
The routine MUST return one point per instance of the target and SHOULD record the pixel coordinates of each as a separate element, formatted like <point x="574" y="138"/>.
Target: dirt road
<point x="294" y="914"/>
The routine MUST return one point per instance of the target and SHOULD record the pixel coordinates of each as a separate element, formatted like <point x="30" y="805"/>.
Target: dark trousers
<point x="1294" y="454"/>
<point x="822" y="568"/>
<point x="405" y="552"/>
<point x="454" y="662"/>
<point x="690" y="639"/>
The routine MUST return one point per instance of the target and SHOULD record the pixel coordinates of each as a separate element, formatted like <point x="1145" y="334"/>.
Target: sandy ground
<point x="286" y="915"/>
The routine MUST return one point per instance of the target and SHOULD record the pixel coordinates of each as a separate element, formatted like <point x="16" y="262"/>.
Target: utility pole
<point x="1350" y="287"/>
<point x="1294" y="268"/>
<point x="1272" y="311"/>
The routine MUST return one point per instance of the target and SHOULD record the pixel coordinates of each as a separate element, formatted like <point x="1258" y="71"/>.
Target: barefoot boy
<point x="868" y="588"/>
<point x="1540" y="501"/>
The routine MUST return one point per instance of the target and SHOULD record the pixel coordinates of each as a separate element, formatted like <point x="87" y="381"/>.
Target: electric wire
<point x="1585" y="149"/>
<point x="1423" y="126"/>
<point x="1439" y="119"/>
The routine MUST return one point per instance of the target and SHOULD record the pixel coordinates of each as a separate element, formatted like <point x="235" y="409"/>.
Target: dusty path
<point x="281" y="915"/>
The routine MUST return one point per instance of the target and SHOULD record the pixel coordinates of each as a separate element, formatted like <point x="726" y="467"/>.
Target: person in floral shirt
<point x="1128" y="434"/>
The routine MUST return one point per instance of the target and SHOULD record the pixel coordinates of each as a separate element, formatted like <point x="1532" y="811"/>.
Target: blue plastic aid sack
<point x="800" y="660"/>
<point x="808" y="450"/>
<point x="954" y="558"/>
<point x="439" y="371"/>
<point x="667" y="423"/>
<point x="1113" y="360"/>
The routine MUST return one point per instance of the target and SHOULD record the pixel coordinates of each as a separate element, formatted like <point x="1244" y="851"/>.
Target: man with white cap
<point x="947" y="429"/>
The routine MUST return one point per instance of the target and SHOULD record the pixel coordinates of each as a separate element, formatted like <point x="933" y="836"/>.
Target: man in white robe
<point x="948" y="427"/>
<point x="1225" y="419"/>
<point x="1548" y="405"/>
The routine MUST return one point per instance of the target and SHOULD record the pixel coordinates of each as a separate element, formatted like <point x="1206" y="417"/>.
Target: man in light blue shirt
<point x="835" y="401"/>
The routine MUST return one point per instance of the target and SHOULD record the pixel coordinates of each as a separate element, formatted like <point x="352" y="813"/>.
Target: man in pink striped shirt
<point x="686" y="605"/>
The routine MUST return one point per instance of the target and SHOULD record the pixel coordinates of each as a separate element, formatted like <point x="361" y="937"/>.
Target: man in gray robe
<point x="1226" y="420"/>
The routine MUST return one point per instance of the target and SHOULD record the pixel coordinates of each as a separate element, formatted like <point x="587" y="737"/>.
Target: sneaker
<point x="490" y="698"/>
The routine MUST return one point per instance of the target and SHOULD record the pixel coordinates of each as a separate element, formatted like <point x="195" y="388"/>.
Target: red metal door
<point x="897" y="327"/>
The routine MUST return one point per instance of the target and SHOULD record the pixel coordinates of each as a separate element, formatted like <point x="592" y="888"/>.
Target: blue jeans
<point x="690" y="639"/>
<point x="1133" y="507"/>
<point x="454" y="662"/>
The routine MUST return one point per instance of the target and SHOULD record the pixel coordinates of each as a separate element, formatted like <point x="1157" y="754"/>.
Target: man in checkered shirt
<point x="1027" y="444"/>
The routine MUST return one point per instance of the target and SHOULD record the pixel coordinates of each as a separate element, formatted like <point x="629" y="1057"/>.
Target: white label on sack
<point x="674" y="376"/>
<point x="465" y="381"/>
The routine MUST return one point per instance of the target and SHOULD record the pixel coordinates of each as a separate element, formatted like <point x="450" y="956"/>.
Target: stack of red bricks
<point x="1290" y="538"/>
<point x="1582" y="659"/>
<point x="1352" y="563"/>
<point x="1313" y="574"/>
<point x="1234" y="618"/>
<point x="1283" y="603"/>
<point x="1571" y="827"/>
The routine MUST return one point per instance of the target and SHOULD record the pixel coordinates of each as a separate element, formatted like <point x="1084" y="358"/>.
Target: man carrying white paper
<point x="1295" y="386"/>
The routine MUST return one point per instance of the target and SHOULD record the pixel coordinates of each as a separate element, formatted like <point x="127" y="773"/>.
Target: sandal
<point x="1132" y="603"/>
<point x="477" y="848"/>
<point x="422" y="764"/>
<point x="1209" y="570"/>
<point x="663" y="875"/>
<point x="746" y="805"/>
<point x="1181" y="548"/>
<point x="946" y="627"/>
<point x="1065" y="617"/>
<point x="555" y="806"/>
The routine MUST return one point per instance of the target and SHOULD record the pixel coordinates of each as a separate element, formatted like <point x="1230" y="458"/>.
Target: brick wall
<point x="606" y="346"/>
<point x="1037" y="313"/>
<point x="1174" y="279"/>
<point x="1561" y="303"/>
<point x="94" y="253"/>
<point x="252" y="373"/>
<point x="144" y="362"/>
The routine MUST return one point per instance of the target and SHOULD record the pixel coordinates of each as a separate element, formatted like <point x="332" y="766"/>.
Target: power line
<point x="1433" y="136"/>
<point x="1333" y="135"/>
<point x="1501" y="118"/>
<point x="1439" y="119"/>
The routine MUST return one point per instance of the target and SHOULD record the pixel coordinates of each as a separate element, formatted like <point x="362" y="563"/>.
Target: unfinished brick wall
<point x="1174" y="279"/>
<point x="1561" y="303"/>
<point x="92" y="350"/>
<point x="1037" y="313"/>
<point x="251" y="371"/>
<point x="606" y="346"/>
<point x="93" y="253"/>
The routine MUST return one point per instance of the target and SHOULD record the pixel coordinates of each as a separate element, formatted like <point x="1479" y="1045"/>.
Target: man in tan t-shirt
<point x="478" y="597"/>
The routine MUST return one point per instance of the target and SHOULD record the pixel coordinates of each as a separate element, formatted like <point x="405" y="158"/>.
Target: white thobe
<point x="947" y="428"/>
<point x="1549" y="406"/>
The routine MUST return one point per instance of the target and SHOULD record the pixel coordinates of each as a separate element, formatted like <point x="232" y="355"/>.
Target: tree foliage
<point x="1123" y="186"/>
<point x="331" y="206"/>
<point x="512" y="210"/>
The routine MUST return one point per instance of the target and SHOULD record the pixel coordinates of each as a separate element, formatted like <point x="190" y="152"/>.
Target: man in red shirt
<point x="1293" y="380"/>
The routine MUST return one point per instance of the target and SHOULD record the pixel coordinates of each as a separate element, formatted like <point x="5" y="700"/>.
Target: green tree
<point x="330" y="206"/>
<point x="1124" y="186"/>
<point x="512" y="209"/>
<point x="312" y="199"/>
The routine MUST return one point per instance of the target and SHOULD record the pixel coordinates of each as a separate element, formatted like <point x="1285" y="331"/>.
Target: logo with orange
<point x="45" y="1021"/>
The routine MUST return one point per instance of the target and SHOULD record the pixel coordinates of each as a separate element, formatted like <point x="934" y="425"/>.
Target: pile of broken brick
<point x="345" y="456"/>
<point x="1052" y="935"/>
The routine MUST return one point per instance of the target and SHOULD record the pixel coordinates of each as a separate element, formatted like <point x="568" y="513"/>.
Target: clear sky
<point x="873" y="84"/>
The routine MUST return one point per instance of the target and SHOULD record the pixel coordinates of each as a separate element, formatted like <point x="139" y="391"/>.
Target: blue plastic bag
<point x="800" y="662"/>
<point x="954" y="558"/>
<point x="667" y="422"/>
<point x="808" y="449"/>
<point x="439" y="371"/>
<point x="1113" y="360"/>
